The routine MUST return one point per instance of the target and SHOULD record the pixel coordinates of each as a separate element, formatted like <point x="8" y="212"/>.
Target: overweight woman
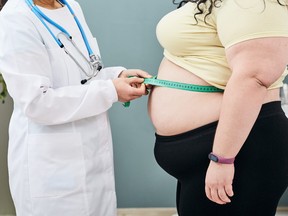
<point x="228" y="150"/>
<point x="60" y="156"/>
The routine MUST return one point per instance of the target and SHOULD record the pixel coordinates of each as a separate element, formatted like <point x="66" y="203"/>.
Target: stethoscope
<point x="94" y="63"/>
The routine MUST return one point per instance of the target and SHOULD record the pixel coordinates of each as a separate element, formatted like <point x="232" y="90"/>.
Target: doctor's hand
<point x="129" y="88"/>
<point x="134" y="73"/>
<point x="218" y="182"/>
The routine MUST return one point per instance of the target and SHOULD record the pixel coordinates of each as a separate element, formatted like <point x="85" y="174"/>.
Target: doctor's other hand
<point x="129" y="88"/>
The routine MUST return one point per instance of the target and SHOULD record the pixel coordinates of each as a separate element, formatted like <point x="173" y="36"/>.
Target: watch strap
<point x="221" y="160"/>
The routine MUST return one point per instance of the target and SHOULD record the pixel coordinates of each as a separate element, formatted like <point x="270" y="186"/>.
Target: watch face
<point x="213" y="157"/>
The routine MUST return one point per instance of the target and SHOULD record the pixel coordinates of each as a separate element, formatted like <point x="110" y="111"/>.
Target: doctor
<point x="60" y="148"/>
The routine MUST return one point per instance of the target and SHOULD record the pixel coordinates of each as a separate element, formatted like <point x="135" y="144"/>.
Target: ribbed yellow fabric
<point x="200" y="47"/>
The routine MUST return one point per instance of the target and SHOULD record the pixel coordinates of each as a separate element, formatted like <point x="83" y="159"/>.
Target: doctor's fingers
<point x="144" y="74"/>
<point x="137" y="82"/>
<point x="131" y="94"/>
<point x="126" y="92"/>
<point x="135" y="73"/>
<point x="140" y="90"/>
<point x="134" y="80"/>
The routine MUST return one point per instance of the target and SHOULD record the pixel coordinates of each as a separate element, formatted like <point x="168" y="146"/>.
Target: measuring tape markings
<point x="177" y="85"/>
<point x="181" y="86"/>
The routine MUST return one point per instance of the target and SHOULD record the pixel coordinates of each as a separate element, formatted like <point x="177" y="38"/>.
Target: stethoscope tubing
<point x="74" y="59"/>
<point x="34" y="10"/>
<point x="90" y="52"/>
<point x="93" y="58"/>
<point x="41" y="15"/>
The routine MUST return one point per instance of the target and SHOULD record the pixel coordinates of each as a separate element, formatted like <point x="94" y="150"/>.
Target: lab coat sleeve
<point x="110" y="73"/>
<point x="25" y="65"/>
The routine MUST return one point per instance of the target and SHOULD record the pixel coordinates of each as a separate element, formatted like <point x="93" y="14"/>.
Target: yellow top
<point x="200" y="47"/>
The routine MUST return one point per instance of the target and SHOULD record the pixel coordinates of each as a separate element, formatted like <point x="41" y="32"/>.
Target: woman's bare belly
<point x="174" y="111"/>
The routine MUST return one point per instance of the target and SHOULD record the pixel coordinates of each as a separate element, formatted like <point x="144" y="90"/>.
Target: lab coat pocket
<point x="55" y="163"/>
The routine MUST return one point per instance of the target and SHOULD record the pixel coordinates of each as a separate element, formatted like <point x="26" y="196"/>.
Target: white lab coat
<point x="60" y="155"/>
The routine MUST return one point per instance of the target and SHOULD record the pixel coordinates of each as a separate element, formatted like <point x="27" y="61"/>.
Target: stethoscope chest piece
<point x="94" y="63"/>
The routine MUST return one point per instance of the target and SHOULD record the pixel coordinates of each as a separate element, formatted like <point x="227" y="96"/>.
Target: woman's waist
<point x="176" y="110"/>
<point x="172" y="73"/>
<point x="168" y="98"/>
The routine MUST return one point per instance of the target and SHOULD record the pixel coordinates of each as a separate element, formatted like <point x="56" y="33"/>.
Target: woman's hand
<point x="218" y="182"/>
<point x="130" y="86"/>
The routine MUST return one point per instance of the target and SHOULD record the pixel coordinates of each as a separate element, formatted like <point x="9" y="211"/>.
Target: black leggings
<point x="261" y="167"/>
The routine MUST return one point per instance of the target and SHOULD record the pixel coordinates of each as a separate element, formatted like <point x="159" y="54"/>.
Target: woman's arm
<point x="256" y="64"/>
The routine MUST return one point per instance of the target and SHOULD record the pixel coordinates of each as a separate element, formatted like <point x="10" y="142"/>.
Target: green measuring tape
<point x="177" y="85"/>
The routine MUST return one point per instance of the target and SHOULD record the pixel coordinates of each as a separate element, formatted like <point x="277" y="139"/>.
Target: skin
<point x="127" y="88"/>
<point x="253" y="70"/>
<point x="131" y="88"/>
<point x="49" y="4"/>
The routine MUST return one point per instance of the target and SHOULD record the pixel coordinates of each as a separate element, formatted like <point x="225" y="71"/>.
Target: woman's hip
<point x="267" y="141"/>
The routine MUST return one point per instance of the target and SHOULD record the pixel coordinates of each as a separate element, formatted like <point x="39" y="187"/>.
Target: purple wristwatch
<point x="219" y="159"/>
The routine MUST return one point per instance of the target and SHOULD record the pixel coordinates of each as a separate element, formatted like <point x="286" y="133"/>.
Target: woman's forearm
<point x="241" y="104"/>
